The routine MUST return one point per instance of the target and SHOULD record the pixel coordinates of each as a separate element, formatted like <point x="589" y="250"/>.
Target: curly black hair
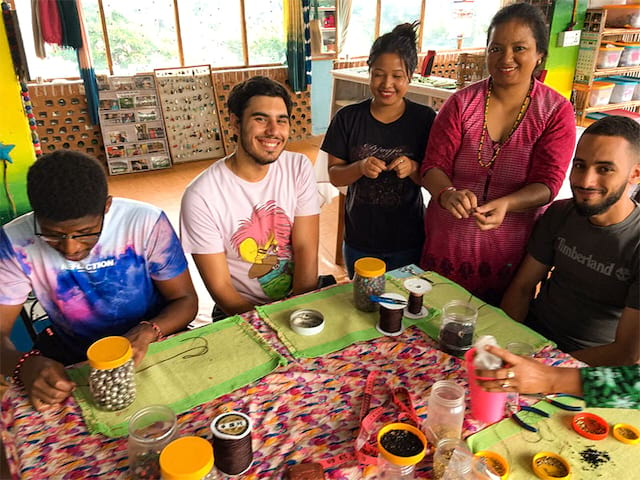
<point x="529" y="15"/>
<point x="66" y="185"/>
<point x="401" y="41"/>
<point x="258" y="85"/>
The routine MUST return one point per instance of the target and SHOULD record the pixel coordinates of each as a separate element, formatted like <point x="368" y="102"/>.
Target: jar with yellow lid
<point x="187" y="458"/>
<point x="111" y="373"/>
<point x="368" y="280"/>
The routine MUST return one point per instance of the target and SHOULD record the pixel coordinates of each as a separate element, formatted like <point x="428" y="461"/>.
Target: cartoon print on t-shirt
<point x="264" y="241"/>
<point x="386" y="190"/>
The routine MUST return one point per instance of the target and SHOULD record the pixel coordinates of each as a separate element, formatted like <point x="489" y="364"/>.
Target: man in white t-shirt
<point x="251" y="220"/>
<point x="98" y="265"/>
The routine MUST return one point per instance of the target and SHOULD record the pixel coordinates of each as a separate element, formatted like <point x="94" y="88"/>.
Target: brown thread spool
<point x="417" y="288"/>
<point x="390" y="322"/>
<point x="232" y="442"/>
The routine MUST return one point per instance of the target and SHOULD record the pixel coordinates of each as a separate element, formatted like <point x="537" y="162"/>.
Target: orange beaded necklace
<point x="498" y="147"/>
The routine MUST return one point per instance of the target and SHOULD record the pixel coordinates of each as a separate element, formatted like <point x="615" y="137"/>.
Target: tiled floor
<point x="164" y="189"/>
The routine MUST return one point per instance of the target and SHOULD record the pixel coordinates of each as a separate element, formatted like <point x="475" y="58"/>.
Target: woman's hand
<point x="371" y="167"/>
<point x="491" y="214"/>
<point x="45" y="381"/>
<point x="459" y="203"/>
<point x="403" y="166"/>
<point x="520" y="374"/>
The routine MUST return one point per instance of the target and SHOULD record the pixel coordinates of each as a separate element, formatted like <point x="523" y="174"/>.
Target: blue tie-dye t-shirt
<point x="106" y="293"/>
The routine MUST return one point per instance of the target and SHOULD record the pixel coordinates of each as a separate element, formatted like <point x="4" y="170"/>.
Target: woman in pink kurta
<point x="486" y="193"/>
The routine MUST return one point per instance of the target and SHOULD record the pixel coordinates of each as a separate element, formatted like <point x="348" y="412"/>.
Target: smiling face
<point x="263" y="130"/>
<point x="512" y="54"/>
<point x="388" y="79"/>
<point x="603" y="169"/>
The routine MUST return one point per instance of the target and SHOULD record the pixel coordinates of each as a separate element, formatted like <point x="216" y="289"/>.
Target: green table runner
<point x="184" y="371"/>
<point x="589" y="459"/>
<point x="344" y="324"/>
<point x="491" y="320"/>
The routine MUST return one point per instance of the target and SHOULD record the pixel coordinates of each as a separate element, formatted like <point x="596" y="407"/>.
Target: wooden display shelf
<point x="612" y="106"/>
<point x="606" y="72"/>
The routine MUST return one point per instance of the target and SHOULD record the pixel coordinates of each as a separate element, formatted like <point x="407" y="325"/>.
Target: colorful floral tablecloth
<point x="304" y="411"/>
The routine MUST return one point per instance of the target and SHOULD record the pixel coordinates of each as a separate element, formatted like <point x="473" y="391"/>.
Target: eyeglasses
<point x="55" y="239"/>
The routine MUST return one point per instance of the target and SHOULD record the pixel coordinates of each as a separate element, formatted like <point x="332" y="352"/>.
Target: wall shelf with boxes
<point x="131" y="122"/>
<point x="607" y="77"/>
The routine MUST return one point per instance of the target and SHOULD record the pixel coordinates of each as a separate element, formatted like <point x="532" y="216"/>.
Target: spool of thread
<point x="417" y="288"/>
<point x="232" y="442"/>
<point x="390" y="322"/>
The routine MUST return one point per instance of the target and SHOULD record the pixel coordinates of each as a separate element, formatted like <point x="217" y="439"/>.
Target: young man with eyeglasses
<point x="98" y="265"/>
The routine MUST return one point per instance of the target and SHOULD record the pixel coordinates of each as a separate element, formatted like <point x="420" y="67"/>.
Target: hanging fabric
<point x="298" y="43"/>
<point x="86" y="67"/>
<point x="38" y="41"/>
<point x="70" y="24"/>
<point x="344" y="17"/>
<point x="50" y="24"/>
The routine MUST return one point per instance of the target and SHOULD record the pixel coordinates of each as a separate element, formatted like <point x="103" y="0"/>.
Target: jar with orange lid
<point x="111" y="374"/>
<point x="368" y="280"/>
<point x="402" y="447"/>
<point x="187" y="458"/>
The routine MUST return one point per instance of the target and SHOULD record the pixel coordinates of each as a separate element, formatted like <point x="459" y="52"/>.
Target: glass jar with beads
<point x="111" y="373"/>
<point x="367" y="281"/>
<point x="150" y="430"/>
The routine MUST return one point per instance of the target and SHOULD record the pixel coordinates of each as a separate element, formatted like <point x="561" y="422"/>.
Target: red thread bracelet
<point x="18" y="368"/>
<point x="450" y="188"/>
<point x="156" y="328"/>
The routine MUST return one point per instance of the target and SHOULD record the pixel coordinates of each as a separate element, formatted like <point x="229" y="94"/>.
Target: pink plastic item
<point x="487" y="407"/>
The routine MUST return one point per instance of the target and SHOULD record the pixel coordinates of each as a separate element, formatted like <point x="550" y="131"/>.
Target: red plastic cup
<point x="487" y="407"/>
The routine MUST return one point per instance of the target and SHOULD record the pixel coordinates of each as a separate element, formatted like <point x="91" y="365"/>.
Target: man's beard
<point x="602" y="207"/>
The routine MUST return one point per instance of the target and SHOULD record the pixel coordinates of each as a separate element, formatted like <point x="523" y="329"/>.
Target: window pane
<point x="142" y="35"/>
<point x="211" y="32"/>
<point x="394" y="13"/>
<point x="361" y="28"/>
<point x="94" y="32"/>
<point x="265" y="31"/>
<point x="446" y="20"/>
<point x="59" y="62"/>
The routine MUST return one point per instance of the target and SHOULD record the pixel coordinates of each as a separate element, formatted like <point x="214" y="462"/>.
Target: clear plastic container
<point x="401" y="447"/>
<point x="111" y="374"/>
<point x="623" y="16"/>
<point x="457" y="327"/>
<point x="452" y="459"/>
<point x="608" y="57"/>
<point x="368" y="280"/>
<point x="150" y="430"/>
<point x="445" y="411"/>
<point x="622" y="90"/>
<point x="600" y="93"/>
<point x="187" y="458"/>
<point x="636" y="92"/>
<point x="630" y="55"/>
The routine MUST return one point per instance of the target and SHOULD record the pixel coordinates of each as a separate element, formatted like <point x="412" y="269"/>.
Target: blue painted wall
<point x="321" y="96"/>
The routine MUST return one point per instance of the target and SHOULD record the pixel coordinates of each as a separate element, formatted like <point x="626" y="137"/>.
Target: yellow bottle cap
<point x="495" y="462"/>
<point x="550" y="466"/>
<point x="109" y="352"/>
<point x="397" y="459"/>
<point x="370" y="267"/>
<point x="186" y="458"/>
<point x="626" y="433"/>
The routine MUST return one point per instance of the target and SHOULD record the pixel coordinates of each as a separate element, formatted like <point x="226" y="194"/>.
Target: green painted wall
<point x="561" y="62"/>
<point x="14" y="130"/>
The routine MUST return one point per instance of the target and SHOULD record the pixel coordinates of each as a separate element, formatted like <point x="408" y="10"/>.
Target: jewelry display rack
<point x="131" y="123"/>
<point x="187" y="99"/>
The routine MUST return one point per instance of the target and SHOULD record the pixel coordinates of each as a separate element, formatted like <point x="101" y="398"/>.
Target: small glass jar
<point x="150" y="430"/>
<point x="457" y="327"/>
<point x="111" y="374"/>
<point x="368" y="280"/>
<point x="452" y="458"/>
<point x="445" y="411"/>
<point x="187" y="458"/>
<point x="401" y="447"/>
